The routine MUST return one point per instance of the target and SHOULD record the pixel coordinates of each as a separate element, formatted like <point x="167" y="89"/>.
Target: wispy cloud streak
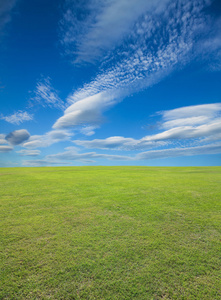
<point x="71" y="155"/>
<point x="24" y="152"/>
<point x="103" y="25"/>
<point x="5" y="149"/>
<point x="46" y="96"/>
<point x="197" y="121"/>
<point x="18" y="117"/>
<point x="119" y="143"/>
<point x="175" y="152"/>
<point x="48" y="139"/>
<point x="194" y="128"/>
<point x="159" y="42"/>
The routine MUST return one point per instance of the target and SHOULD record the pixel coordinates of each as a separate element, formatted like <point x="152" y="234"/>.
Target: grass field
<point x="110" y="233"/>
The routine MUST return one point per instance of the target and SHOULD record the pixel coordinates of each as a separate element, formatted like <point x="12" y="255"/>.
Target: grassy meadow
<point x="110" y="233"/>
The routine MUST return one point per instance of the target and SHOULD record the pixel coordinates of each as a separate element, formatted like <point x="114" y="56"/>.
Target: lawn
<point x="110" y="233"/>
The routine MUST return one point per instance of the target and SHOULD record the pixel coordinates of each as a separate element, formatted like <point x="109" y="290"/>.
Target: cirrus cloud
<point x="214" y="148"/>
<point x="49" y="138"/>
<point x="46" y="96"/>
<point x="119" y="143"/>
<point x="104" y="24"/>
<point x="24" y="152"/>
<point x="159" y="42"/>
<point x="18" y="117"/>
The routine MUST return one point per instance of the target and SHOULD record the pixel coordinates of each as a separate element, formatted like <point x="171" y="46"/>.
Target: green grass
<point x="110" y="233"/>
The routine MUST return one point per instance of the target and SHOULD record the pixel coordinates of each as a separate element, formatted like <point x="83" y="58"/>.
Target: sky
<point x="110" y="82"/>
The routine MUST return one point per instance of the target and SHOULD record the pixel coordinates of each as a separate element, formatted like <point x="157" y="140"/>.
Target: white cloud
<point x="24" y="152"/>
<point x="4" y="149"/>
<point x="2" y="139"/>
<point x="18" y="117"/>
<point x="106" y="23"/>
<point x="202" y="136"/>
<point x="119" y="143"/>
<point x="160" y="41"/>
<point x="17" y="137"/>
<point x="51" y="137"/>
<point x="214" y="137"/>
<point x="190" y="122"/>
<point x="86" y="111"/>
<point x="204" y="110"/>
<point x="46" y="95"/>
<point x="187" y="132"/>
<point x="197" y="137"/>
<point x="185" y="122"/>
<point x="201" y="126"/>
<point x="187" y="151"/>
<point x="71" y="154"/>
<point x="40" y="162"/>
<point x="88" y="130"/>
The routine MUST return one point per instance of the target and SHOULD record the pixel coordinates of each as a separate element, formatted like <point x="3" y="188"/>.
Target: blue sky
<point x="115" y="82"/>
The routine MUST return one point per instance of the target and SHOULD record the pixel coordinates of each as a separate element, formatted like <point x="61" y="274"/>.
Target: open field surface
<point x="110" y="233"/>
